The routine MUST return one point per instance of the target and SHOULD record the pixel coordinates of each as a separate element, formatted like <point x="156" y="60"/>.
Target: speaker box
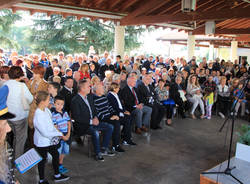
<point x="209" y="27"/>
<point x="188" y="5"/>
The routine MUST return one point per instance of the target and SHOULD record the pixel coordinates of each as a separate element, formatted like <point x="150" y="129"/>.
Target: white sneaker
<point x="221" y="115"/>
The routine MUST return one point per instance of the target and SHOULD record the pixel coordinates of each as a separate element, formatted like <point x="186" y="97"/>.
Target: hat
<point x="4" y="113"/>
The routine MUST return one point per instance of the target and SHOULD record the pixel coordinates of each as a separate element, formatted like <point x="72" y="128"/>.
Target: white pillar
<point x="233" y="51"/>
<point x="211" y="52"/>
<point x="190" y="45"/>
<point x="119" y="40"/>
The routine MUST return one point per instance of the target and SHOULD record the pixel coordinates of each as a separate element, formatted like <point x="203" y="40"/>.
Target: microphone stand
<point x="228" y="170"/>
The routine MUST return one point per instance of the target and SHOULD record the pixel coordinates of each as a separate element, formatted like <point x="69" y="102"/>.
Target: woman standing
<point x="194" y="95"/>
<point x="18" y="93"/>
<point x="35" y="85"/>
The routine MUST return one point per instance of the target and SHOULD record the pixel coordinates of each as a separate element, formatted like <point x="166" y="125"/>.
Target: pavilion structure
<point x="229" y="18"/>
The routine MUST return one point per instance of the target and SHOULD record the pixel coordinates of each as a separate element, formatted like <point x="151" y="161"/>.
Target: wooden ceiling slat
<point x="223" y="22"/>
<point x="171" y="5"/>
<point x="212" y="5"/>
<point x="143" y="8"/>
<point x="127" y="4"/>
<point x="113" y="3"/>
<point x="237" y="24"/>
<point x="202" y="3"/>
<point x="238" y="4"/>
<point x="232" y="21"/>
<point x="158" y="6"/>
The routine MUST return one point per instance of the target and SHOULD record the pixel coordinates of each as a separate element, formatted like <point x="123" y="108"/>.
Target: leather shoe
<point x="143" y="128"/>
<point x="138" y="131"/>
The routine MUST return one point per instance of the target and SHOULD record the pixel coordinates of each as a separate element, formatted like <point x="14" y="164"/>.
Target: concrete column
<point x="211" y="52"/>
<point x="190" y="45"/>
<point x="119" y="40"/>
<point x="233" y="51"/>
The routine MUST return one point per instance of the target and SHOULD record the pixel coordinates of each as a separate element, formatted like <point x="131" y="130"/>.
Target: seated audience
<point x="86" y="122"/>
<point x="194" y="95"/>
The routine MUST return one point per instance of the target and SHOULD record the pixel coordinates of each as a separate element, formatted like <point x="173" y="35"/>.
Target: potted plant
<point x="243" y="144"/>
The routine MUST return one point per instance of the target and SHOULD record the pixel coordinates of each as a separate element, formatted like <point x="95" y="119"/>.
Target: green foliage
<point x="70" y="35"/>
<point x="7" y="19"/>
<point x="244" y="134"/>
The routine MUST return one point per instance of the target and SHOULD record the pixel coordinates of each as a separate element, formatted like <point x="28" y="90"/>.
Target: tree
<point x="7" y="19"/>
<point x="71" y="35"/>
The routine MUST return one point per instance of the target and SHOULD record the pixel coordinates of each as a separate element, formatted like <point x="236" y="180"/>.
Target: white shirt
<point x="44" y="128"/>
<point x="14" y="100"/>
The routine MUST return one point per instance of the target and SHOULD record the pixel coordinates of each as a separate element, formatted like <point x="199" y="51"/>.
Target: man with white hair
<point x="132" y="102"/>
<point x="150" y="99"/>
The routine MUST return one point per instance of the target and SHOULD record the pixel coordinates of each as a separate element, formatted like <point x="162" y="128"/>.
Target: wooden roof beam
<point x="244" y="38"/>
<point x="201" y="31"/>
<point x="187" y="17"/>
<point x="8" y="3"/>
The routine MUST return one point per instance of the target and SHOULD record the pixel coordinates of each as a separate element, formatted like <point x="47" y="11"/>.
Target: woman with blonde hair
<point x="194" y="95"/>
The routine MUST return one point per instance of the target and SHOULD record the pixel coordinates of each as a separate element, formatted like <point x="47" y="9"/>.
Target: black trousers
<point x="182" y="106"/>
<point x="158" y="112"/>
<point x="126" y="121"/>
<point x="43" y="151"/>
<point x="126" y="132"/>
<point x="223" y="104"/>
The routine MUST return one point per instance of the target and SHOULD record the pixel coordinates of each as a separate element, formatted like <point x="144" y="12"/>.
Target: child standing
<point x="45" y="137"/>
<point x="209" y="101"/>
<point x="61" y="121"/>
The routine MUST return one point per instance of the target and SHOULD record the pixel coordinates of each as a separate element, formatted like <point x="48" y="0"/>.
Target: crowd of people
<point x="59" y="98"/>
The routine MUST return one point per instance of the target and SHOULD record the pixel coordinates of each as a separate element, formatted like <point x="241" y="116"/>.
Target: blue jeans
<point x="106" y="129"/>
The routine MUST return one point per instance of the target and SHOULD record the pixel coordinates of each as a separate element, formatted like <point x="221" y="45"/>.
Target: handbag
<point x="25" y="103"/>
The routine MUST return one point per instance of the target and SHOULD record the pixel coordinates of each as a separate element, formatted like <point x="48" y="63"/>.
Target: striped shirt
<point x="104" y="110"/>
<point x="61" y="120"/>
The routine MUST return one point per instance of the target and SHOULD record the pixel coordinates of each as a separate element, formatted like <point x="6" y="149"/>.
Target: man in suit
<point x="86" y="122"/>
<point x="149" y="99"/>
<point x="132" y="102"/>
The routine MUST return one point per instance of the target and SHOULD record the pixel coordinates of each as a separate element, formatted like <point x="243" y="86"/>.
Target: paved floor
<point x="173" y="155"/>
